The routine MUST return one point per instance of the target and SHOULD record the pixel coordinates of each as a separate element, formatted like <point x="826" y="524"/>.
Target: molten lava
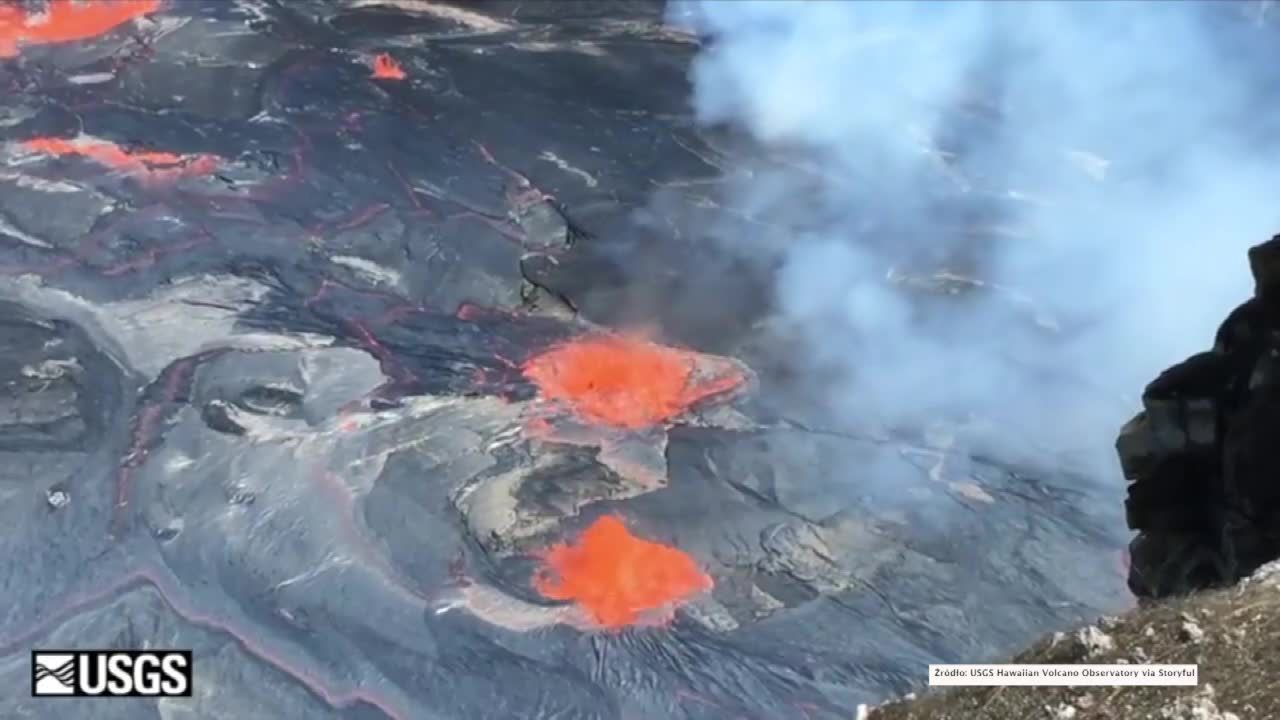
<point x="65" y="21"/>
<point x="628" y="382"/>
<point x="616" y="577"/>
<point x="385" y="67"/>
<point x="148" y="165"/>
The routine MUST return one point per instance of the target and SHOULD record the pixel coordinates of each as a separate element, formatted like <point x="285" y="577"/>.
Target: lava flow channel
<point x="627" y="382"/>
<point x="65" y="21"/>
<point x="618" y="579"/>
<point x="148" y="166"/>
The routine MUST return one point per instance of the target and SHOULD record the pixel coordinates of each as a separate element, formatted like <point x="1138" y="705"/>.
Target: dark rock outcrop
<point x="1201" y="458"/>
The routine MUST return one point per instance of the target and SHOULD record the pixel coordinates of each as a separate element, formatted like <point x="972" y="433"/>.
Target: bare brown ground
<point x="1232" y="634"/>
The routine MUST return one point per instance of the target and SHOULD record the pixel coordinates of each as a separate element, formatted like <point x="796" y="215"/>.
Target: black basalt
<point x="1201" y="458"/>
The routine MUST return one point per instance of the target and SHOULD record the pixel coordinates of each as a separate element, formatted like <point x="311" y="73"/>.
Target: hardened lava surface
<point x="291" y="295"/>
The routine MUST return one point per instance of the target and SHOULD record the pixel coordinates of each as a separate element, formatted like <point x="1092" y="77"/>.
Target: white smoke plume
<point x="1086" y="176"/>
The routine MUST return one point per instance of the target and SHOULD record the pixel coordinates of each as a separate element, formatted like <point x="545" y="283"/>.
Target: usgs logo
<point x="111" y="673"/>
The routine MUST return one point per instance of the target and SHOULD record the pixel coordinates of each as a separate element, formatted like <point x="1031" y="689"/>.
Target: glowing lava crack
<point x="154" y="167"/>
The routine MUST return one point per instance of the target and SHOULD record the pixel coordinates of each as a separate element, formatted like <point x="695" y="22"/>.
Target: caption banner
<point x="1012" y="674"/>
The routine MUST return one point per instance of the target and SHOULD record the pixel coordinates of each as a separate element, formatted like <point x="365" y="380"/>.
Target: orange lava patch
<point x="385" y="67"/>
<point x="149" y="165"/>
<point x="616" y="577"/>
<point x="65" y="21"/>
<point x="626" y="382"/>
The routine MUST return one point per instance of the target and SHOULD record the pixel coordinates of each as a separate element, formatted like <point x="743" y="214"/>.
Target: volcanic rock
<point x="1200" y="456"/>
